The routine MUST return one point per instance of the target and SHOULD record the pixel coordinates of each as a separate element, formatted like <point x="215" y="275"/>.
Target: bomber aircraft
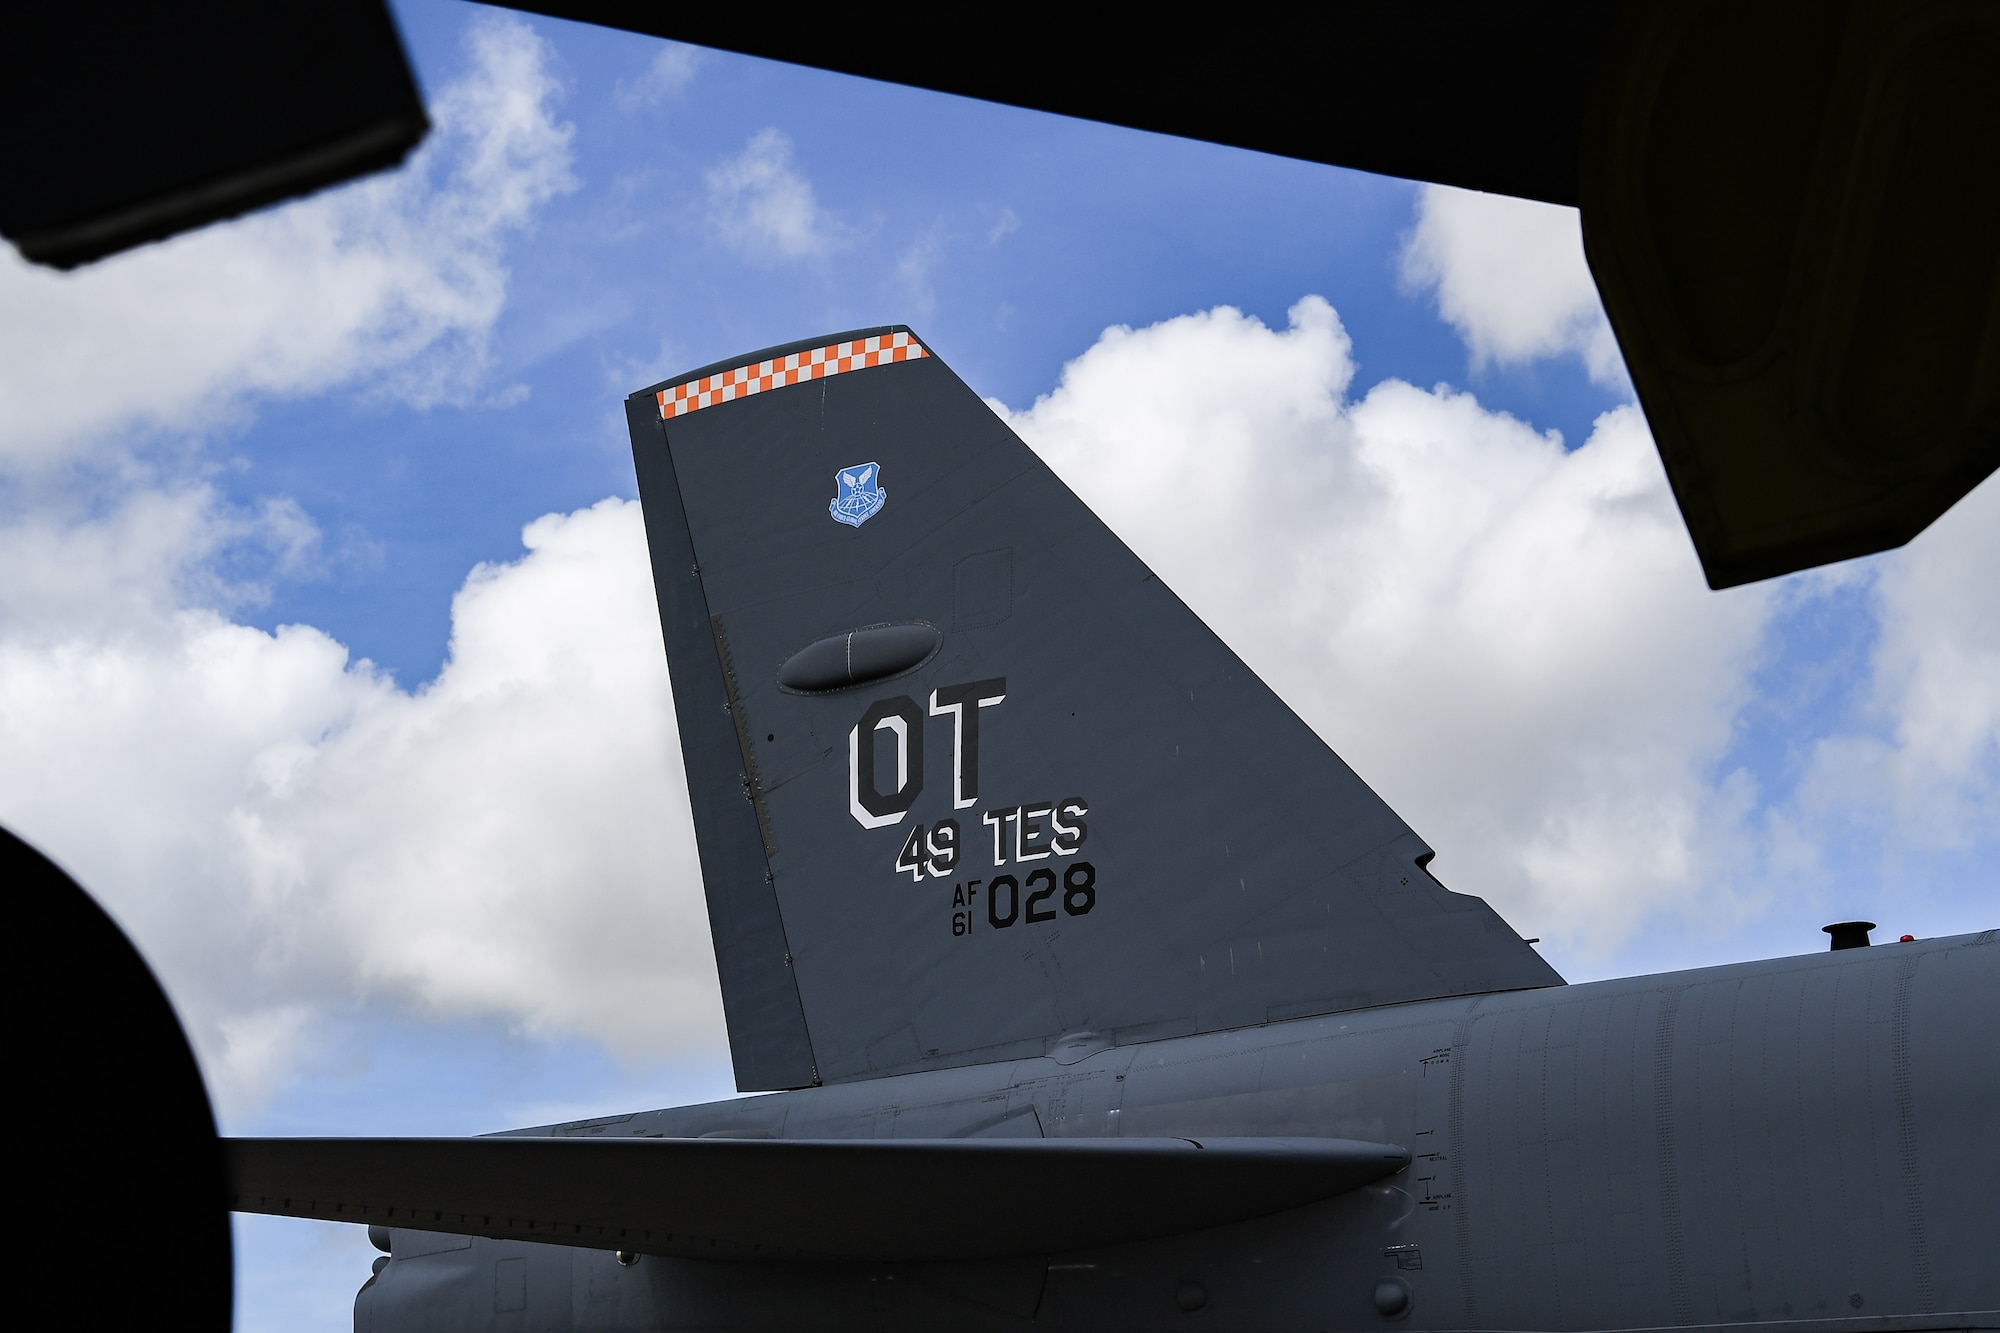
<point x="1087" y="988"/>
<point x="985" y="1104"/>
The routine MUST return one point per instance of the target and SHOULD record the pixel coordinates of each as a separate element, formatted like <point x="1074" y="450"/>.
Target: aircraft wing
<point x="801" y="1200"/>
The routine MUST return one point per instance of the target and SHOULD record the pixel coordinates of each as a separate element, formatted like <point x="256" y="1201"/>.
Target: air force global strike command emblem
<point x="860" y="496"/>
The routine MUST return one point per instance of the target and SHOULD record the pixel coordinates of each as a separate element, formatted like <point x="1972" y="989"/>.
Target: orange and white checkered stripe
<point x="796" y="368"/>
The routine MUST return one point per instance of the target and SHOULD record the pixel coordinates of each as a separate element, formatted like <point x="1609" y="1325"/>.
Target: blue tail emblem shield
<point x="861" y="496"/>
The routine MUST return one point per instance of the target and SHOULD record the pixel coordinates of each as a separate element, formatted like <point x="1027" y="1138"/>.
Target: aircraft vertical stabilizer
<point x="969" y="782"/>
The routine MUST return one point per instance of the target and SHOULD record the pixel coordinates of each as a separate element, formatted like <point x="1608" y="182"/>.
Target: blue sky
<point x="1009" y="239"/>
<point x="450" y="888"/>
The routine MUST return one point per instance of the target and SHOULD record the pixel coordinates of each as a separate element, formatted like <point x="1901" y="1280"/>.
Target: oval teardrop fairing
<point x="859" y="657"/>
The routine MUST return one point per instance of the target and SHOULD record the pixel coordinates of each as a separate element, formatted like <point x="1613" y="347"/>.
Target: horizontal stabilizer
<point x="801" y="1200"/>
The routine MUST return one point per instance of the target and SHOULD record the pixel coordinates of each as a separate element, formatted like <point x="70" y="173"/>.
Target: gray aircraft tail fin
<point x="967" y="779"/>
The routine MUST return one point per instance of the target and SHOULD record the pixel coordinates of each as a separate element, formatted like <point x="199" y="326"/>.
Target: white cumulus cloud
<point x="1511" y="641"/>
<point x="1927" y="770"/>
<point x="763" y="208"/>
<point x="1509" y="275"/>
<point x="284" y="830"/>
<point x="667" y="75"/>
<point x="398" y="277"/>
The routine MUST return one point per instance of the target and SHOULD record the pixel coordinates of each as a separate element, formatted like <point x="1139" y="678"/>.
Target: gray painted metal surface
<point x="805" y="1199"/>
<point x="1229" y="868"/>
<point x="1803" y="1145"/>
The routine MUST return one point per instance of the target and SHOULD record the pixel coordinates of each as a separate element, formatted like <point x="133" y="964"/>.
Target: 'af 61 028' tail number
<point x="1012" y="900"/>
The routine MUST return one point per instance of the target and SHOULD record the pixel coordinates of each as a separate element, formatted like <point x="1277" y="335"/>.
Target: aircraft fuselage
<point x="1799" y="1143"/>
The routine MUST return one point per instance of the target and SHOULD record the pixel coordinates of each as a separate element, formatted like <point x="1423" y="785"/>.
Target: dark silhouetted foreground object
<point x="1488" y="97"/>
<point x="1792" y="210"/>
<point x="127" y="123"/>
<point x="1850" y="934"/>
<point x="97" y="1031"/>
